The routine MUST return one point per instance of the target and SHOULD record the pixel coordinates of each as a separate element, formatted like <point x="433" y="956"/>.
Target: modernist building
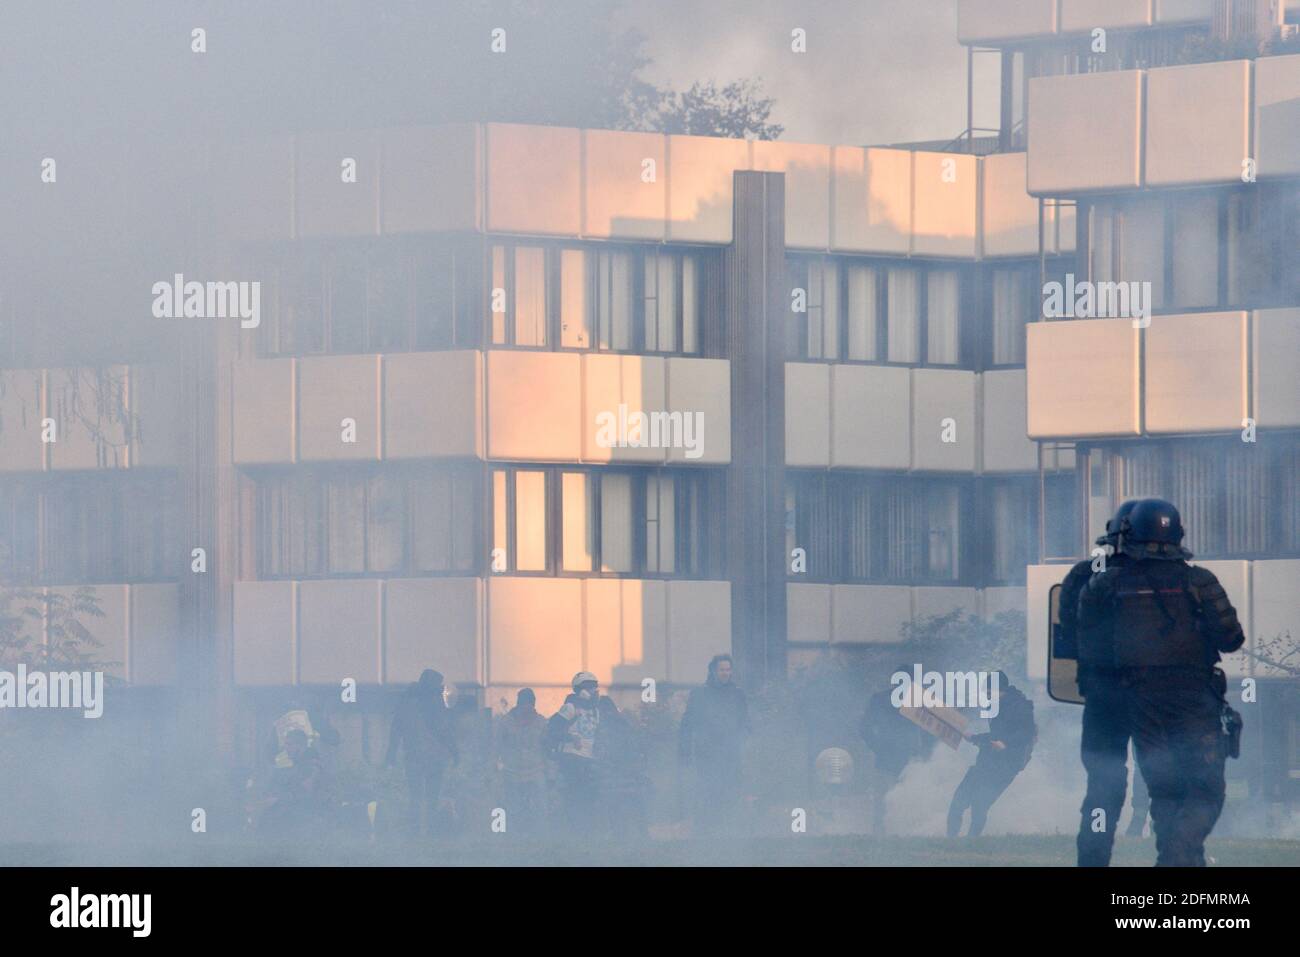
<point x="426" y="452"/>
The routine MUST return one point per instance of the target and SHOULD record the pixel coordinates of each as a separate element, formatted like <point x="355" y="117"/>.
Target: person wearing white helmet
<point x="572" y="734"/>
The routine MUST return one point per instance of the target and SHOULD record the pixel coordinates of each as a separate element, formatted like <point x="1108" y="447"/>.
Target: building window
<point x="1142" y="247"/>
<point x="519" y="526"/>
<point x="1012" y="305"/>
<point x="89" y="529"/>
<point x="384" y="296"/>
<point x="862" y="308"/>
<point x="1061" y="516"/>
<point x="609" y="298"/>
<point x="636" y="523"/>
<point x="349" y="523"/>
<point x="1237" y="499"/>
<point x="613" y="272"/>
<point x="1195" y="252"/>
<point x="903" y="314"/>
<point x="942" y="311"/>
<point x="1202" y="249"/>
<point x="870" y="528"/>
<point x="1011" y="521"/>
<point x="861" y="311"/>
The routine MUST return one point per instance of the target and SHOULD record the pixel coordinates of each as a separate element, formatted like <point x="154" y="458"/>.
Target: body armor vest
<point x="1149" y="619"/>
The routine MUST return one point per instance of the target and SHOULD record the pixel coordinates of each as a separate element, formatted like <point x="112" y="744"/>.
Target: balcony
<point x="1183" y="375"/>
<point x="510" y="179"/>
<point x="1171" y="126"/>
<point x="406" y="406"/>
<point x="993" y="22"/>
<point x="848" y="415"/>
<point x="508" y="631"/>
<point x="549" y="406"/>
<point x="540" y="407"/>
<point x="1085" y="133"/>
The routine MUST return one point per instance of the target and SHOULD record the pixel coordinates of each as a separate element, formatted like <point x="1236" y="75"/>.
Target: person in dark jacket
<point x="711" y="739"/>
<point x="1004" y="750"/>
<point x="423" y="728"/>
<point x="522" y="763"/>
<point x="894" y="742"/>
<point x="620" y="770"/>
<point x="1104" y="744"/>
<point x="1151" y="632"/>
<point x="1067" y="640"/>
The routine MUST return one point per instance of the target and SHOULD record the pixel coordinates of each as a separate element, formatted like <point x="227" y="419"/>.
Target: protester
<point x="711" y="740"/>
<point x="894" y="742"/>
<point x="1003" y="753"/>
<point x="623" y="785"/>
<point x="571" y="735"/>
<point x="293" y="805"/>
<point x="422" y="727"/>
<point x="522" y="763"/>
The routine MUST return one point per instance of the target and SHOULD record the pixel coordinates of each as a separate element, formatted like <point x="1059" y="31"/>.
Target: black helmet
<point x="1115" y="523"/>
<point x="1153" y="529"/>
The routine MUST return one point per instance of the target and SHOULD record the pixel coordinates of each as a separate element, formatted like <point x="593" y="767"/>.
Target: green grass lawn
<point x="795" y="850"/>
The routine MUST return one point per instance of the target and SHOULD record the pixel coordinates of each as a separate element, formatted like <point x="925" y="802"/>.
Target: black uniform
<point x="1150" y="632"/>
<point x="895" y="742"/>
<point x="994" y="769"/>
<point x="712" y="737"/>
<point x="1106" y="728"/>
<point x="1067" y="638"/>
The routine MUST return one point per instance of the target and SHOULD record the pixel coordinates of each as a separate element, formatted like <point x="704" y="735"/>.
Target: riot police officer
<point x="1151" y="630"/>
<point x="1067" y="642"/>
<point x="1105" y="740"/>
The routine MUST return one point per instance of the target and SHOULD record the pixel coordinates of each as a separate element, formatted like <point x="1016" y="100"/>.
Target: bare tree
<point x="1279" y="652"/>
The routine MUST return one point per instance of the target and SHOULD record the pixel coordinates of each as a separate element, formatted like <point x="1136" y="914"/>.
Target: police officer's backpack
<point x="1154" y="617"/>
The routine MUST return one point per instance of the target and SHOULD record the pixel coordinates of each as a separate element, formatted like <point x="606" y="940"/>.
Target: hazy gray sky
<point x="875" y="71"/>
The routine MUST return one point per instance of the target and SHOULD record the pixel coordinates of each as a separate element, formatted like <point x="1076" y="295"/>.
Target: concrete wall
<point x="819" y="613"/>
<point x="1170" y="126"/>
<point x="604" y="184"/>
<point x="83" y="437"/>
<point x="1185" y="374"/>
<point x="848" y="415"/>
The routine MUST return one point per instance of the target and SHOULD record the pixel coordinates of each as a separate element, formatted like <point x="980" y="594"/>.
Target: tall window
<point x="1237" y="499"/>
<point x="874" y="311"/>
<point x="1195" y="252"/>
<point x="609" y="297"/>
<point x="1013" y="303"/>
<point x="942" y="311"/>
<point x="904" y="313"/>
<point x="862" y="308"/>
<point x="613" y="300"/>
<point x="1011" y="521"/>
<point x="90" y="529"/>
<point x="1202" y="249"/>
<point x="877" y="528"/>
<point x="634" y="522"/>
<point x="1061" y="515"/>
<point x="380" y="296"/>
<point x="1142" y="251"/>
<point x="346" y="522"/>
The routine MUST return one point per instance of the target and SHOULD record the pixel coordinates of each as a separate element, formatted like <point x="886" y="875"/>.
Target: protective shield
<point x="1062" y="673"/>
